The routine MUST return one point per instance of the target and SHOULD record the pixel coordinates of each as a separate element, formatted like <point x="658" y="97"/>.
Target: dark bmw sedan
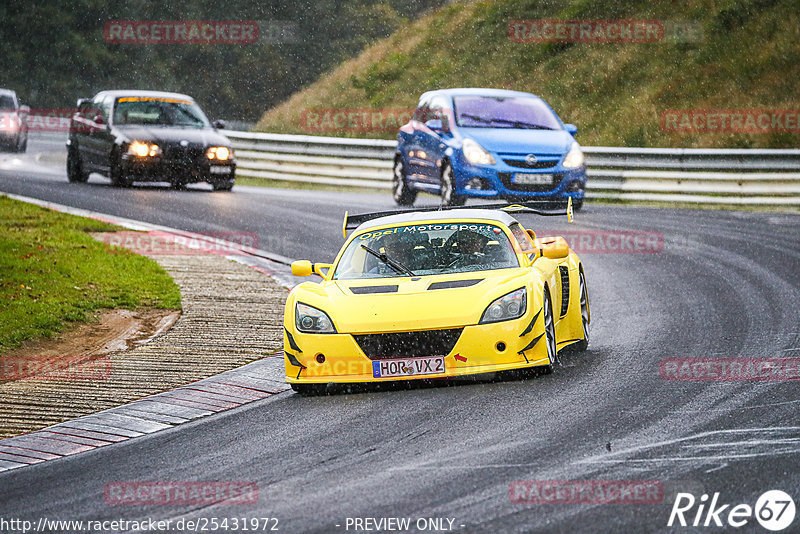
<point x="148" y="136"/>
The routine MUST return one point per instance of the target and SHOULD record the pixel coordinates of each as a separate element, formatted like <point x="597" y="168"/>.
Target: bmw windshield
<point x="159" y="112"/>
<point x="501" y="112"/>
<point x="424" y="249"/>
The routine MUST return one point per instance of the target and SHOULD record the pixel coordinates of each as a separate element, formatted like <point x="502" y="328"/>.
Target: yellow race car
<point x="435" y="294"/>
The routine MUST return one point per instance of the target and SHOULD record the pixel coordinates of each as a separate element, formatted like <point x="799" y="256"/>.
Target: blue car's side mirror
<point x="572" y="129"/>
<point x="435" y="125"/>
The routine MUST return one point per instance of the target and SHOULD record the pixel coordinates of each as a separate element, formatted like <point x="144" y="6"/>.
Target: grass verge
<point x="54" y="273"/>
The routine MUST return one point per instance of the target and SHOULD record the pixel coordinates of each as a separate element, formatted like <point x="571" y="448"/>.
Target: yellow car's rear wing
<point x="352" y="221"/>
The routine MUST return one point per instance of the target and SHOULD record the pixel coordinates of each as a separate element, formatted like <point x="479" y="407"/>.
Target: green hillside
<point x="728" y="54"/>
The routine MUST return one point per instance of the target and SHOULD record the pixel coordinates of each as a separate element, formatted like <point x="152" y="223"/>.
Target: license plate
<point x="408" y="367"/>
<point x="220" y="170"/>
<point x="535" y="179"/>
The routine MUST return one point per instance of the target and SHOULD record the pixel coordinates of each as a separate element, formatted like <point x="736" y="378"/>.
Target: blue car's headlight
<point x="476" y="154"/>
<point x="311" y="320"/>
<point x="507" y="307"/>
<point x="574" y="157"/>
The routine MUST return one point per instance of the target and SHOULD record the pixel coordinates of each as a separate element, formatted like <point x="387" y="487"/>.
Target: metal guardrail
<point x="706" y="176"/>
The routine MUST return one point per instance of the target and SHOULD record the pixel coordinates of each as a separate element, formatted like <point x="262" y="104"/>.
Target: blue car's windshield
<point x="424" y="249"/>
<point x="501" y="112"/>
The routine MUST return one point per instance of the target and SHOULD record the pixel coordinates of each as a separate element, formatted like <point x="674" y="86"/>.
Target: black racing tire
<point x="448" y="194"/>
<point x="118" y="177"/>
<point x="225" y="185"/>
<point x="549" y="334"/>
<point x="308" y="390"/>
<point x="75" y="172"/>
<point x="577" y="205"/>
<point x="401" y="192"/>
<point x="583" y="344"/>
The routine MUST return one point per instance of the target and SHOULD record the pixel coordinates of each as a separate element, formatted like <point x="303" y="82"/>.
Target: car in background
<point x="487" y="143"/>
<point x="13" y="122"/>
<point x="148" y="136"/>
<point x="435" y="295"/>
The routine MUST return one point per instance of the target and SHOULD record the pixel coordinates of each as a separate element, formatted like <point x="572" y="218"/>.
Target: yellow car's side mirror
<point x="554" y="248"/>
<point x="302" y="268"/>
<point x="306" y="268"/>
<point x="556" y="251"/>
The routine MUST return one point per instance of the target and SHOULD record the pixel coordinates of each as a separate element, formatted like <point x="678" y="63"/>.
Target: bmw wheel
<point x="402" y="193"/>
<point x="449" y="196"/>
<point x="224" y="185"/>
<point x="75" y="172"/>
<point x="118" y="177"/>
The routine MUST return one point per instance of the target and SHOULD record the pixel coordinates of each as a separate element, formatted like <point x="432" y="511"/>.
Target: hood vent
<point x="366" y="290"/>
<point x="453" y="284"/>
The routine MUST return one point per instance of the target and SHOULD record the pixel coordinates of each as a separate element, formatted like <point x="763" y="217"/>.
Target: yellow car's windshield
<point x="424" y="249"/>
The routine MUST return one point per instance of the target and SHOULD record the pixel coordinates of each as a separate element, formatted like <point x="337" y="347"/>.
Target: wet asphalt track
<point x="726" y="284"/>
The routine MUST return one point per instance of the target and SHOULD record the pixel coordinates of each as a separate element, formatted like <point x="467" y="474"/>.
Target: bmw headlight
<point x="476" y="154"/>
<point x="143" y="150"/>
<point x="221" y="153"/>
<point x="574" y="157"/>
<point x="507" y="307"/>
<point x="311" y="320"/>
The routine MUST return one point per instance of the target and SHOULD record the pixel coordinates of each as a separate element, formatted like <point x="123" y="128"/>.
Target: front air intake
<point x="408" y="344"/>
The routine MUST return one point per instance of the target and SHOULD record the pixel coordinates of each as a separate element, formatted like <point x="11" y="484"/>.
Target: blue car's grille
<point x="540" y="164"/>
<point x="505" y="177"/>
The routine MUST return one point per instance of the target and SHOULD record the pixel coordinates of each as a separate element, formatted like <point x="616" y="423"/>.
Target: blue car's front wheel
<point x="401" y="192"/>
<point x="448" y="190"/>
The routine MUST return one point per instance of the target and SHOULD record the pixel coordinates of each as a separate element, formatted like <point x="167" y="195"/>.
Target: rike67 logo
<point x="774" y="510"/>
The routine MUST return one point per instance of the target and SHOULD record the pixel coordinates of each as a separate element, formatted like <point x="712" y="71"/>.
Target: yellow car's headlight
<point x="221" y="153"/>
<point x="507" y="307"/>
<point x="574" y="157"/>
<point x="476" y="154"/>
<point x="311" y="320"/>
<point x="144" y="150"/>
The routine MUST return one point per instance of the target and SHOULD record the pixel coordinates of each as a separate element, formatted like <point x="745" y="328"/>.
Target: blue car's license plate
<point x="532" y="179"/>
<point x="408" y="367"/>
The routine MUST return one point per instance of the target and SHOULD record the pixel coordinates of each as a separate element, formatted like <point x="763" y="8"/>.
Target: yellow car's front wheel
<point x="583" y="344"/>
<point x="549" y="333"/>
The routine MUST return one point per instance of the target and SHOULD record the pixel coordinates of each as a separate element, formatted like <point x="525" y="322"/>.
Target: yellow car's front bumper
<point x="480" y="349"/>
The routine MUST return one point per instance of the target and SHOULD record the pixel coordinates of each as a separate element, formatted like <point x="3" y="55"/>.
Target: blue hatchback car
<point x="487" y="143"/>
